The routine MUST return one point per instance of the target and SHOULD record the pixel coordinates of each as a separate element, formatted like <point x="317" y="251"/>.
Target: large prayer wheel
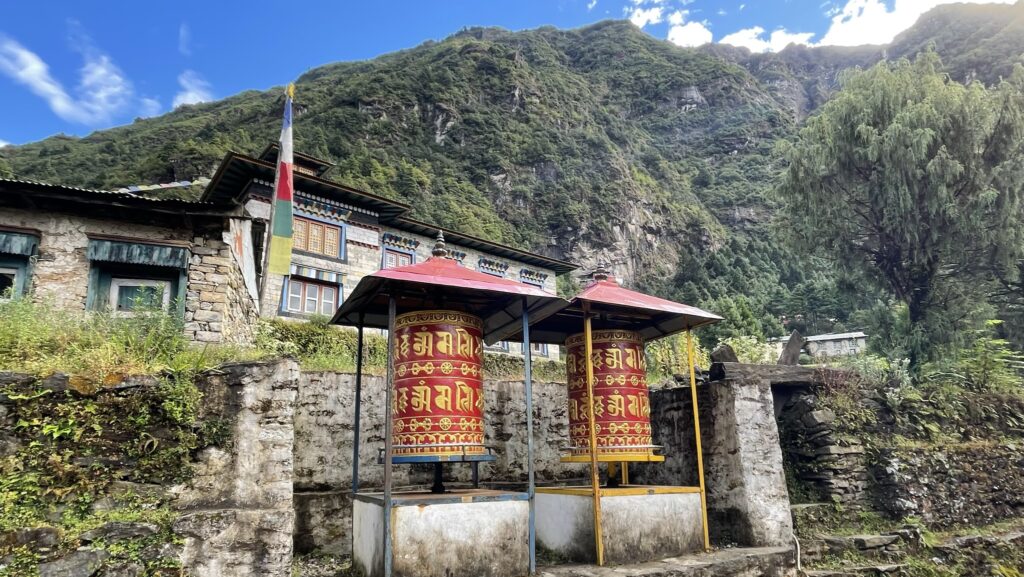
<point x="439" y="404"/>
<point x="622" y="408"/>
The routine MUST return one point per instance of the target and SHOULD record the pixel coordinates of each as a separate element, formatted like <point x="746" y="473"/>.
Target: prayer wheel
<point x="439" y="404"/>
<point x="622" y="408"/>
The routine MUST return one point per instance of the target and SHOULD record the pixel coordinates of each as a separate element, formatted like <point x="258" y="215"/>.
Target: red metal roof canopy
<point x="442" y="283"/>
<point x="615" y="307"/>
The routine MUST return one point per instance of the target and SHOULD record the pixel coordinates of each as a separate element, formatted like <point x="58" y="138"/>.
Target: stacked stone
<point x="819" y="454"/>
<point x="218" y="307"/>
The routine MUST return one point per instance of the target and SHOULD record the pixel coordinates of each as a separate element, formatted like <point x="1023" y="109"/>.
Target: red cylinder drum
<point x="622" y="408"/>
<point x="438" y="407"/>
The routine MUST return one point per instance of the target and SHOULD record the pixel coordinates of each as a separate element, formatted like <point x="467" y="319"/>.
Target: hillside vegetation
<point x="589" y="144"/>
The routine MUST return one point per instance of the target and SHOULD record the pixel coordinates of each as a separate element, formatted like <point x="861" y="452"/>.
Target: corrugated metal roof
<point x="836" y="337"/>
<point x="46" y="186"/>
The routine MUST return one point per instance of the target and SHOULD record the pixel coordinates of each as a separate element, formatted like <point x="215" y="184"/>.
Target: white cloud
<point x="185" y="39"/>
<point x="871" y="21"/>
<point x="689" y="34"/>
<point x="643" y="16"/>
<point x="676" y="18"/>
<point x="149" y="107"/>
<point x="591" y="4"/>
<point x="194" y="89"/>
<point x="742" y="6"/>
<point x="754" y="39"/>
<point x="102" y="91"/>
<point x="722" y="12"/>
<point x="4" y="143"/>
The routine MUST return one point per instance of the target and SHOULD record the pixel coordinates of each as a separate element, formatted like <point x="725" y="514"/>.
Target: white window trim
<point x="117" y="283"/>
<point x="11" y="271"/>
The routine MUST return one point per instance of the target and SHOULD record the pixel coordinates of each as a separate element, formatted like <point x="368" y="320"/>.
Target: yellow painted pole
<point x="696" y="430"/>
<point x="625" y="473"/>
<point x="595" y="480"/>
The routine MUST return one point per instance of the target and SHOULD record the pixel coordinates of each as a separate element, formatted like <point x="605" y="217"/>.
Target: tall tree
<point x="913" y="182"/>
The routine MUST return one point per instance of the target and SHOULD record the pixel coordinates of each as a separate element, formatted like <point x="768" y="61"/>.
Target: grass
<point x="97" y="348"/>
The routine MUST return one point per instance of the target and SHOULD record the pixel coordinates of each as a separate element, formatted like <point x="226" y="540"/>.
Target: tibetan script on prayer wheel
<point x="622" y="408"/>
<point x="438" y="406"/>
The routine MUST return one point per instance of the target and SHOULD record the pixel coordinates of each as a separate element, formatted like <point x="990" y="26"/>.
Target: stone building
<point x="90" y="249"/>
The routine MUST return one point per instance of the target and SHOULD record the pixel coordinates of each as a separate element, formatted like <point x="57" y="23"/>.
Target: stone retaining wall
<point x="969" y="484"/>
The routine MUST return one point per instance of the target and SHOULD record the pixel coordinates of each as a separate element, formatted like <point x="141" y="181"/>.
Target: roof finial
<point x="601" y="272"/>
<point x="440" y="250"/>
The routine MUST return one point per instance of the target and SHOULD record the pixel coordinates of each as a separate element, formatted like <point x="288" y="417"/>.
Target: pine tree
<point x="914" y="183"/>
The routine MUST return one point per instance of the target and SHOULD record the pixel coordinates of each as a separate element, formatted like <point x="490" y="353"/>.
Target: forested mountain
<point x="589" y="144"/>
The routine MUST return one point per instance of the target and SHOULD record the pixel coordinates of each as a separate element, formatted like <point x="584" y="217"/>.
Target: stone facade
<point x="217" y="306"/>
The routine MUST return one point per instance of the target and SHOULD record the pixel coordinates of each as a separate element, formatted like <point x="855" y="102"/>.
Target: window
<point x="499" y="347"/>
<point x="307" y="297"/>
<point x="128" y="294"/>
<point x="394" y="258"/>
<point x="8" y="282"/>
<point x="539" y="348"/>
<point x="317" y="237"/>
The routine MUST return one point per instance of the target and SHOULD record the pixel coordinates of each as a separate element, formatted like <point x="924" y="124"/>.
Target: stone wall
<point x="218" y="308"/>
<point x="969" y="484"/>
<point x="236" y="512"/>
<point x="824" y="464"/>
<point x="61" y="271"/>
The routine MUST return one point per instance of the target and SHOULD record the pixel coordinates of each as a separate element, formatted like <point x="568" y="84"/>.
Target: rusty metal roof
<point x="441" y="282"/>
<point x="616" y="307"/>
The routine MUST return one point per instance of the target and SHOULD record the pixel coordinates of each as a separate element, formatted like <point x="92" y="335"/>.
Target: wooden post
<point x="595" y="479"/>
<point x="696" y="430"/>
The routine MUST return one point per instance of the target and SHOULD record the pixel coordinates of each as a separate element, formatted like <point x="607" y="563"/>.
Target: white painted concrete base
<point x="476" y="533"/>
<point x="636" y="528"/>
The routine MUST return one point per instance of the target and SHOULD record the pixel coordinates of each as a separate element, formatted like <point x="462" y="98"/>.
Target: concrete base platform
<point x="464" y="533"/>
<point x="741" y="562"/>
<point x="639" y="523"/>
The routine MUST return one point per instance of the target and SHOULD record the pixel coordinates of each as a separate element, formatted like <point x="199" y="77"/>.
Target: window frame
<point x="16" y="274"/>
<point x="342" y="255"/>
<point x="384" y="257"/>
<point x="303" y="296"/>
<point x="542" y="349"/>
<point x="116" y="283"/>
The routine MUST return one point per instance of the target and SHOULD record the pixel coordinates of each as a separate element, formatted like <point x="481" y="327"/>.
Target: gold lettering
<point x="597" y="360"/>
<point x="645" y="405"/>
<point x="574" y="409"/>
<point x="421" y="397"/>
<point x="463" y="397"/>
<point x="616" y="405"/>
<point x="402" y="400"/>
<point x="444" y="342"/>
<point x="598" y="406"/>
<point x="423" y="343"/>
<point x="613" y="357"/>
<point x="403" y="346"/>
<point x="634" y="406"/>
<point x="465" y="343"/>
<point x="631" y="357"/>
<point x="443" y="400"/>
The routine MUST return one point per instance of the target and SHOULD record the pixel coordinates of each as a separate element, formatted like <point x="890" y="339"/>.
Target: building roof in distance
<point x="836" y="337"/>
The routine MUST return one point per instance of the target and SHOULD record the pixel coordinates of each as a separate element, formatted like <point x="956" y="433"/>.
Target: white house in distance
<point x="829" y="345"/>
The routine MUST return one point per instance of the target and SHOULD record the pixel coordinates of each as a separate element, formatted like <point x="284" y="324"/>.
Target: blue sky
<point x="79" y="66"/>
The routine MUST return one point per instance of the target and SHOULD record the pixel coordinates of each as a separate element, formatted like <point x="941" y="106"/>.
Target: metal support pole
<point x="696" y="430"/>
<point x="476" y="474"/>
<point x="359" y="400"/>
<point x="388" y="442"/>
<point x="625" y="473"/>
<point x="438" y="479"/>
<point x="530" y="480"/>
<point x="595" y="479"/>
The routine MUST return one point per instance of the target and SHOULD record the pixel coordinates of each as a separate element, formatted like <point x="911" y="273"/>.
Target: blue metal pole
<point x="388" y="443"/>
<point x="359" y="397"/>
<point x="531" y="486"/>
